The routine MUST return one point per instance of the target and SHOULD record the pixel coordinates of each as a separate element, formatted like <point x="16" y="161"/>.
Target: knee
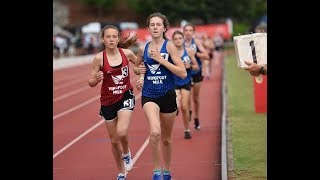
<point x="155" y="136"/>
<point x="166" y="141"/>
<point x="114" y="140"/>
<point x="122" y="133"/>
<point x="196" y="99"/>
<point x="185" y="108"/>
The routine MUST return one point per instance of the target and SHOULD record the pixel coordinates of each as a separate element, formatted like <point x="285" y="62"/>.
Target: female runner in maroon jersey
<point x="117" y="100"/>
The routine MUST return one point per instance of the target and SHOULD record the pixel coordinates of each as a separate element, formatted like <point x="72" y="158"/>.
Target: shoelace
<point x="121" y="178"/>
<point x="156" y="176"/>
<point x="167" y="176"/>
<point x="126" y="159"/>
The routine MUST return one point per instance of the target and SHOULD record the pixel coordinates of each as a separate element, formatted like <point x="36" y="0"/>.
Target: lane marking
<point x="87" y="102"/>
<point x="64" y="79"/>
<point x="76" y="107"/>
<point x="137" y="155"/>
<point x="70" y="84"/>
<point x="78" y="138"/>
<point x="94" y="127"/>
<point x="71" y="93"/>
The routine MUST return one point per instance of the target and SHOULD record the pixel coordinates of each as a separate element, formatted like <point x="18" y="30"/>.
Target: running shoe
<point x="187" y="135"/>
<point x="127" y="162"/>
<point x="121" y="177"/>
<point x="156" y="177"/>
<point x="166" y="177"/>
<point x="196" y="124"/>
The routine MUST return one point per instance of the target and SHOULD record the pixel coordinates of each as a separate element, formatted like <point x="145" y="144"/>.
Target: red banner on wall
<point x="211" y="30"/>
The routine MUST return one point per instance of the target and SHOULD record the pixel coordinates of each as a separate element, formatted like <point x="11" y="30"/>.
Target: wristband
<point x="261" y="70"/>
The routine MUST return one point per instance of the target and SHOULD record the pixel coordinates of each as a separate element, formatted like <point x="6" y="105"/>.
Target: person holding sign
<point x="256" y="69"/>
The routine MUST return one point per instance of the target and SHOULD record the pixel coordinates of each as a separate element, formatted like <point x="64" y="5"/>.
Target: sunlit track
<point x="78" y="133"/>
<point x="76" y="107"/>
<point x="70" y="84"/>
<point x="137" y="155"/>
<point x="79" y="74"/>
<point x="71" y="93"/>
<point x="78" y="138"/>
<point x="86" y="132"/>
<point x="83" y="103"/>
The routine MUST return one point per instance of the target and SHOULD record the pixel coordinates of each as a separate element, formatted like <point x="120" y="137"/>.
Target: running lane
<point x="82" y="147"/>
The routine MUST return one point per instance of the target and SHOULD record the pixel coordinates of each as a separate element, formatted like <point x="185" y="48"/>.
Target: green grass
<point x="248" y="129"/>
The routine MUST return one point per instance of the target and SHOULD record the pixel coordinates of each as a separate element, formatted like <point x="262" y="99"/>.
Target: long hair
<point x="164" y="19"/>
<point x="124" y="42"/>
<point x="177" y="32"/>
<point x="189" y="24"/>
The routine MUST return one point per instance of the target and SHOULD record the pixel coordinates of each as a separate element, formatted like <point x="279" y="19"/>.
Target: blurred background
<point x="77" y="23"/>
<point x="76" y="33"/>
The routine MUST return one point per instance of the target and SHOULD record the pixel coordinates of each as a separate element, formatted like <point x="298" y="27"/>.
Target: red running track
<point x="81" y="145"/>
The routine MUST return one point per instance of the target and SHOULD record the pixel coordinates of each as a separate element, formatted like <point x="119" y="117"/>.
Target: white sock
<point x="121" y="174"/>
<point x="123" y="155"/>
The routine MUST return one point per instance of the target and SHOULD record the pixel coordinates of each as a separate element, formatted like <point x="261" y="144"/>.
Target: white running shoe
<point x="127" y="162"/>
<point x="121" y="176"/>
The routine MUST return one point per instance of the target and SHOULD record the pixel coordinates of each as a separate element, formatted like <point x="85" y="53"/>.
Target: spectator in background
<point x="61" y="43"/>
<point x="256" y="69"/>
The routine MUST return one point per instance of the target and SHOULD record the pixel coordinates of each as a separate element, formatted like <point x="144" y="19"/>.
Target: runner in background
<point x="208" y="44"/>
<point x="219" y="46"/>
<point x="183" y="86"/>
<point x="197" y="77"/>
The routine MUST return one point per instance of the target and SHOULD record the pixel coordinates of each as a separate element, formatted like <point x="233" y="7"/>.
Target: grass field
<point x="248" y="129"/>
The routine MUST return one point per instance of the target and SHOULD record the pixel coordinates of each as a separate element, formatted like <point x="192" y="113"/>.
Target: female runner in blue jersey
<point x="160" y="61"/>
<point x="183" y="86"/>
<point x="197" y="76"/>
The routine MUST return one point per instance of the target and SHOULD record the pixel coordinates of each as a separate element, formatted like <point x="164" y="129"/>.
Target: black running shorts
<point x="127" y="103"/>
<point x="167" y="103"/>
<point x="197" y="77"/>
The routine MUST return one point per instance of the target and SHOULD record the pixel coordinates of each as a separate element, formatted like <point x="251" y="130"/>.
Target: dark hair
<point x="164" y="19"/>
<point x="177" y="32"/>
<point x="189" y="24"/>
<point x="123" y="42"/>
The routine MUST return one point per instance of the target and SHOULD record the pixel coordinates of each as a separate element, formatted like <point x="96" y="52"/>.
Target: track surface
<point x="81" y="145"/>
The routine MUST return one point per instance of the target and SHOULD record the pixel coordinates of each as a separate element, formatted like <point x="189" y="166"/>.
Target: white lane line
<point x="142" y="148"/>
<point x="76" y="107"/>
<point x="68" y="62"/>
<point x="67" y="78"/>
<point x="71" y="93"/>
<point x="87" y="102"/>
<point x="91" y="129"/>
<point x="78" y="138"/>
<point x="70" y="83"/>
